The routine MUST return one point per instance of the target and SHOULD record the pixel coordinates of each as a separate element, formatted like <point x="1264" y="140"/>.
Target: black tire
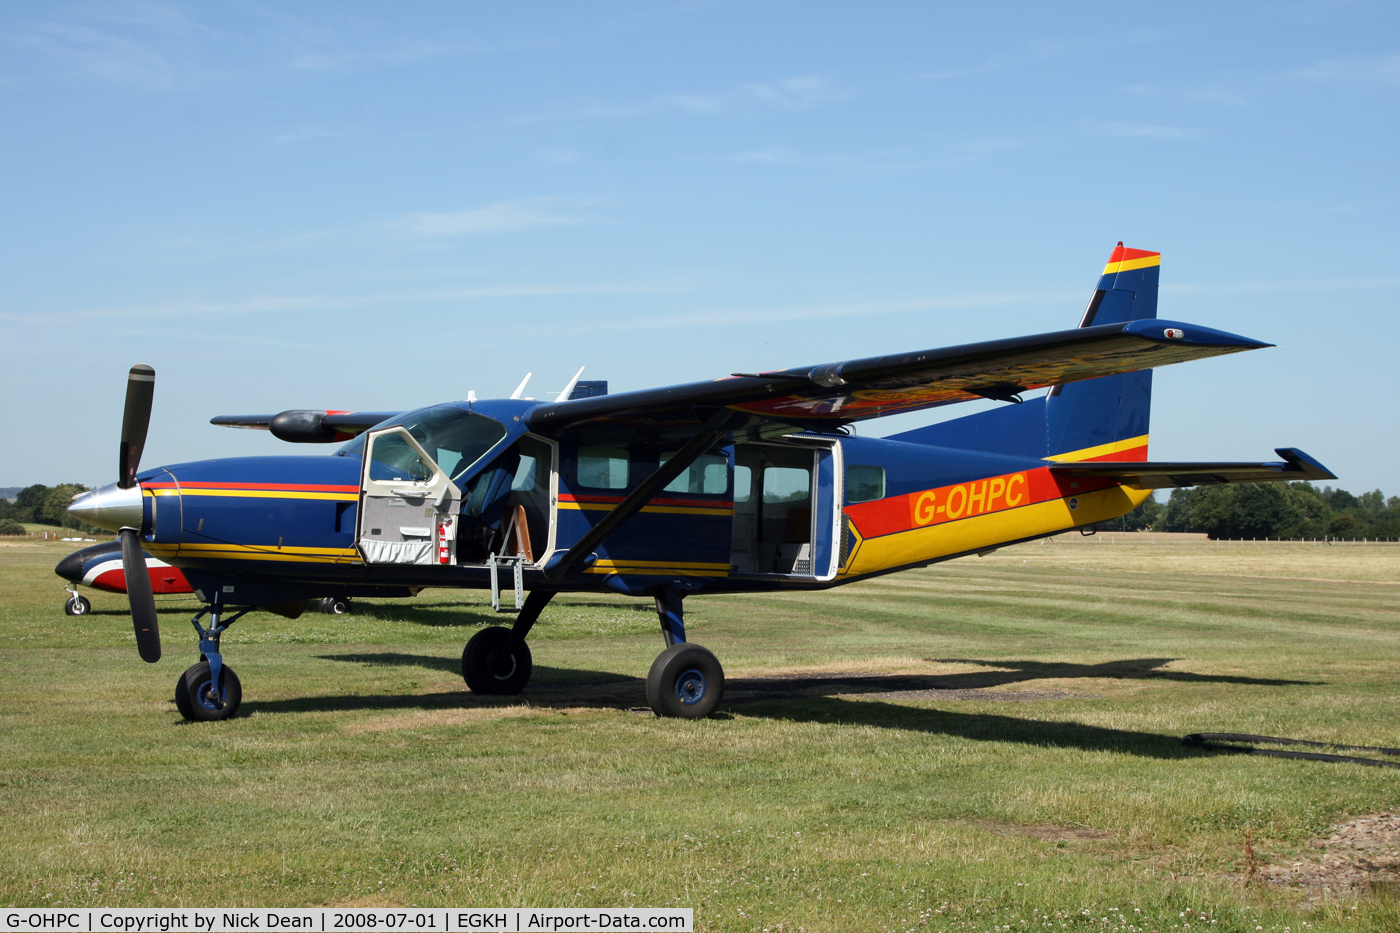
<point x="685" y="682"/>
<point x="492" y="666"/>
<point x="182" y="698"/>
<point x="201" y="706"/>
<point x="77" y="606"/>
<point x="337" y="605"/>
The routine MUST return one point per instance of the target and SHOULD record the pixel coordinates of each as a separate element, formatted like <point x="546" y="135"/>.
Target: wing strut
<point x="561" y="566"/>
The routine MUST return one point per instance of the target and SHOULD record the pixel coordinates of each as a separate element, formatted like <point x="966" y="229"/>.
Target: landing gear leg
<point x="497" y="661"/>
<point x="686" y="681"/>
<point x="210" y="690"/>
<point x="77" y="604"/>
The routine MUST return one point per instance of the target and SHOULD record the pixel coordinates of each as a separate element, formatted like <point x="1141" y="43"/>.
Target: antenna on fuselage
<point x="520" y="389"/>
<point x="568" y="389"/>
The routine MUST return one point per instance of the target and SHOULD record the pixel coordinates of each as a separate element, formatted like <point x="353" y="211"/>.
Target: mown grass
<point x="362" y="772"/>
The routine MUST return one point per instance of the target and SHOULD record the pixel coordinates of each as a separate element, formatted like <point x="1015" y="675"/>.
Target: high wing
<point x="833" y="394"/>
<point x="309" y="426"/>
<point x="1296" y="465"/>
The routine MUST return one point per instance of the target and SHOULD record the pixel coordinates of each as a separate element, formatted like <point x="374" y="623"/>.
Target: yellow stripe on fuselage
<point x="313" y="555"/>
<point x="933" y="542"/>
<point x="655" y="509"/>
<point x="266" y="494"/>
<point x="660" y="567"/>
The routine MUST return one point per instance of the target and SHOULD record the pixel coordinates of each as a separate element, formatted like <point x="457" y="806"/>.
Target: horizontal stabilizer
<point x="1295" y="466"/>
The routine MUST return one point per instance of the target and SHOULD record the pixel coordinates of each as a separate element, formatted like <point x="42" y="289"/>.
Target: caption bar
<point x="349" y="919"/>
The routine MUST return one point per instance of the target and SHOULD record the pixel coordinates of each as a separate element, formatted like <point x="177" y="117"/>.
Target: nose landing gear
<point x="210" y="691"/>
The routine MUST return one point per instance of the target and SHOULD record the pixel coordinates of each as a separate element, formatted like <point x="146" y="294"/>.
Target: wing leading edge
<point x="831" y="394"/>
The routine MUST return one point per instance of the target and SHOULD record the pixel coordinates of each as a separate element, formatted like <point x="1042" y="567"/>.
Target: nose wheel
<point x="197" y="699"/>
<point x="210" y="691"/>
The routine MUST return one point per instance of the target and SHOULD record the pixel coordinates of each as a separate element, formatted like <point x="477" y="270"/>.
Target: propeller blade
<point x="138" y="594"/>
<point x="136" y="418"/>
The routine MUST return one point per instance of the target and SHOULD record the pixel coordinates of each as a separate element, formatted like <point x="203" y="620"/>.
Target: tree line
<point x="1267" y="510"/>
<point x="42" y="505"/>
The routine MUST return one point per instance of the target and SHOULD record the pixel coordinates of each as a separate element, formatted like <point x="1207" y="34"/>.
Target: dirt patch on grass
<point x="1360" y="856"/>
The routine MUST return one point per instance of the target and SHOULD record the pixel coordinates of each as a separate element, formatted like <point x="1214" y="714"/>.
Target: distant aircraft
<point x="755" y="482"/>
<point x="100" y="567"/>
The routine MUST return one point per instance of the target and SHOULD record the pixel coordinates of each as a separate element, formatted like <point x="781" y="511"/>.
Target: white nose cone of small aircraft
<point x="110" y="507"/>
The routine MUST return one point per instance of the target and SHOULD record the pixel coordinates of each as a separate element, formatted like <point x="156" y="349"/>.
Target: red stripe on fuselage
<point x="271" y="487"/>
<point x="1135" y="453"/>
<point x="967" y="500"/>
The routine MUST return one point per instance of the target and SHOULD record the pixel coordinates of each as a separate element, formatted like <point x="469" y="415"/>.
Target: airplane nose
<point x="110" y="507"/>
<point x="71" y="567"/>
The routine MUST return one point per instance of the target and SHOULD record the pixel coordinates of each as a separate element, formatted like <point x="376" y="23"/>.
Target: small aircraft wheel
<point x="182" y="697"/>
<point x="199" y="704"/>
<point x="686" y="682"/>
<point x="491" y="665"/>
<point x="77" y="606"/>
<point x="336" y="605"/>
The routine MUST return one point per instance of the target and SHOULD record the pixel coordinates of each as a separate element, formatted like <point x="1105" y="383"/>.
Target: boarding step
<point x="498" y="562"/>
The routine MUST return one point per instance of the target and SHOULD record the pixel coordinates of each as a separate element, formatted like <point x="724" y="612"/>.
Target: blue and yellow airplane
<point x="754" y="482"/>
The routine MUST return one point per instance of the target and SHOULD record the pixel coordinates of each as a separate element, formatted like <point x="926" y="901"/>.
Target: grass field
<point x="989" y="744"/>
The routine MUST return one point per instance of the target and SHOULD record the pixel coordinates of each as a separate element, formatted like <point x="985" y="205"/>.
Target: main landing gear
<point x="685" y="682"/>
<point x="210" y="691"/>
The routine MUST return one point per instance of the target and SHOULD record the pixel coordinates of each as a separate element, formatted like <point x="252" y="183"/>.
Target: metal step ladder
<point x="497" y="562"/>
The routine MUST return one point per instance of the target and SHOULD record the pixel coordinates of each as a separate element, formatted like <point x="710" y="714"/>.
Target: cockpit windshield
<point x="456" y="439"/>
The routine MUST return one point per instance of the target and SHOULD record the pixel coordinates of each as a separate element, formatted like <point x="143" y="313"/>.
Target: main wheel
<point x="336" y="605"/>
<point x="200" y="704"/>
<point x="492" y="665"/>
<point x="77" y="606"/>
<point x="686" y="682"/>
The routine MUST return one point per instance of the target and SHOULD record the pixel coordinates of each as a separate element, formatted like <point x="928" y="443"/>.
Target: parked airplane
<point x="100" y="567"/>
<point x="754" y="482"/>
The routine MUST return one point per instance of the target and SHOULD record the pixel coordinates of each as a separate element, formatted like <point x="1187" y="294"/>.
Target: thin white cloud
<point x="501" y="217"/>
<point x="1384" y="68"/>
<point x="1215" y="93"/>
<point x="291" y="304"/>
<point x="791" y="95"/>
<point x="1140" y="130"/>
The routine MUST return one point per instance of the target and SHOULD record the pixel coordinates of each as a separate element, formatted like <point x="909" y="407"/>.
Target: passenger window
<point x="524" y="474"/>
<point x="743" y="483"/>
<point x="864" y="483"/>
<point x="602" y="467"/>
<point x="707" y="476"/>
<point x="786" y="484"/>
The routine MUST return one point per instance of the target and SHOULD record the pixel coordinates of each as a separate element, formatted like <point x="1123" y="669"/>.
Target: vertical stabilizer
<point x="1098" y="419"/>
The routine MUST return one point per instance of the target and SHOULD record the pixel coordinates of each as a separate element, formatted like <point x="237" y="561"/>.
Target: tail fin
<point x="1096" y="419"/>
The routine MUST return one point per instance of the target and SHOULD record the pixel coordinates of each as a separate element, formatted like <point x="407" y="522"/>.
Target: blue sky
<point x="382" y="206"/>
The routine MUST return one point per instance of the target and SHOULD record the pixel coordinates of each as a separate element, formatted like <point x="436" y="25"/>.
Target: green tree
<point x="29" y="500"/>
<point x="54" y="509"/>
<point x="1143" y="518"/>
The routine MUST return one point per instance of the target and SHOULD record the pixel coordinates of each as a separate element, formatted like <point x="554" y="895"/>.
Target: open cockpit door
<point x="409" y="505"/>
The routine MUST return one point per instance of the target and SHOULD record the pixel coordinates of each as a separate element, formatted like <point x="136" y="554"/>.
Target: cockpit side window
<point x="456" y="439"/>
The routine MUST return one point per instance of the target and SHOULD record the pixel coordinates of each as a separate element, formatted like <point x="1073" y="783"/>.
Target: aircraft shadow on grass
<point x="829" y="699"/>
